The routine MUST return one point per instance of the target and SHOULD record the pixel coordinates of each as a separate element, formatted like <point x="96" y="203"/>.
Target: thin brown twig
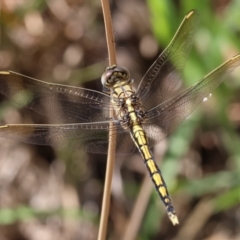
<point x="135" y="220"/>
<point x="112" y="136"/>
<point x="109" y="32"/>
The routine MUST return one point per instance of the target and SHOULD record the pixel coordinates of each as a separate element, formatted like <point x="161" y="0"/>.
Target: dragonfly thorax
<point x="115" y="76"/>
<point x="128" y="106"/>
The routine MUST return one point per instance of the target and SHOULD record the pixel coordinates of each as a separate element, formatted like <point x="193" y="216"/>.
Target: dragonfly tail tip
<point x="173" y="217"/>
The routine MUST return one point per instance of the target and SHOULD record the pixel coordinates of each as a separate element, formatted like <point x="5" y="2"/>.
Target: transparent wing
<point x="91" y="137"/>
<point x="61" y="103"/>
<point x="162" y="77"/>
<point x="85" y="112"/>
<point x="164" y="118"/>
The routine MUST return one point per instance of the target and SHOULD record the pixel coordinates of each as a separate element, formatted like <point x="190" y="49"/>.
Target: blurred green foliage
<point x="24" y="213"/>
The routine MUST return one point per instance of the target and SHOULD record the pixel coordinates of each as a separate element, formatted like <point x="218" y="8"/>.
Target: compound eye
<point x="122" y="72"/>
<point x="106" y="77"/>
<point x="114" y="74"/>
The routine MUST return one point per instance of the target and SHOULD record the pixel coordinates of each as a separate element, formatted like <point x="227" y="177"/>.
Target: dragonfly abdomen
<point x="140" y="139"/>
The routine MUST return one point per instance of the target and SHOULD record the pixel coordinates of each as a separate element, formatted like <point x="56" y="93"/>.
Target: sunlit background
<point x="50" y="194"/>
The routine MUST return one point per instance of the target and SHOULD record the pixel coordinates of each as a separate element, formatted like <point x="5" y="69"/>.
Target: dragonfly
<point x="143" y="115"/>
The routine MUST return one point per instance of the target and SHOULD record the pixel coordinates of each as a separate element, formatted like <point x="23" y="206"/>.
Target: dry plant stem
<point x="112" y="136"/>
<point x="109" y="32"/>
<point x="134" y="223"/>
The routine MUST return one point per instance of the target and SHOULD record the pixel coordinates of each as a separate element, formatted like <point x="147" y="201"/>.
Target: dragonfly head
<point x="115" y="76"/>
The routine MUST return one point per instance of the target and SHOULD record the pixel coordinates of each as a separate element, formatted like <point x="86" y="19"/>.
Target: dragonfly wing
<point x="91" y="137"/>
<point x="163" y="119"/>
<point x="164" y="74"/>
<point x="61" y="103"/>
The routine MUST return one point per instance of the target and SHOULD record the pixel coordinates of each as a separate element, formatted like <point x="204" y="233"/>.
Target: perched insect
<point x="143" y="116"/>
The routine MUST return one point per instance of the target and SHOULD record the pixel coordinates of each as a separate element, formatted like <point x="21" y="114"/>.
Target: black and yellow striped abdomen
<point x="140" y="139"/>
